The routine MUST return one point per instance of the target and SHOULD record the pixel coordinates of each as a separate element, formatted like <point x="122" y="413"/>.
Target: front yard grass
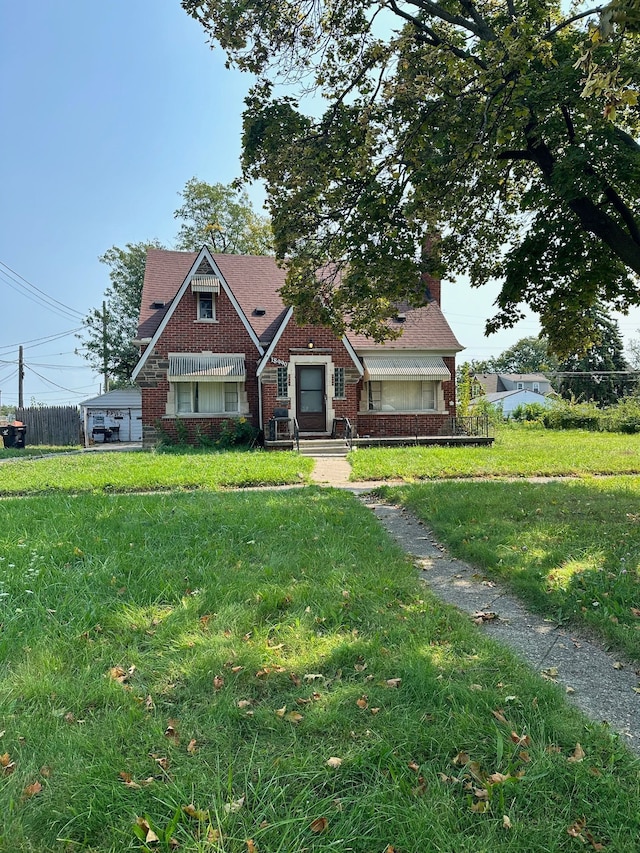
<point x="148" y="471"/>
<point x="569" y="549"/>
<point x="516" y="452"/>
<point x="264" y="671"/>
<point x="34" y="450"/>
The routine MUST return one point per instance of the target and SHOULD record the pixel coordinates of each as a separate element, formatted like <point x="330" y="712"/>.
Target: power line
<point x="39" y="295"/>
<point x="37" y="342"/>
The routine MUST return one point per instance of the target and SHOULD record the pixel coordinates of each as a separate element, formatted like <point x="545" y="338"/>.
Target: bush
<point x="529" y="412"/>
<point x="235" y="432"/>
<point x="570" y="415"/>
<point x="623" y="417"/>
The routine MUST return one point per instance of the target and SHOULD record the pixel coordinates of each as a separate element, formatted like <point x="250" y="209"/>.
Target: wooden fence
<point x="54" y="425"/>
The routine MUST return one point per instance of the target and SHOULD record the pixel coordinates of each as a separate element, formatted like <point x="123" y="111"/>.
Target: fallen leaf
<point x="191" y="746"/>
<point x="551" y="673"/>
<point x="523" y="755"/>
<point x="520" y="740"/>
<point x="281" y="711"/>
<point x="551" y="748"/>
<point x="213" y="835"/>
<point x="618" y="665"/>
<point x="234" y="805"/>
<point x="575" y="830"/>
<point x="499" y="715"/>
<point x="393" y="682"/>
<point x="461" y="759"/>
<point x="636" y="612"/>
<point x="569" y="690"/>
<point x="481" y="616"/>
<point x="476" y="687"/>
<point x="374" y="710"/>
<point x="497" y="778"/>
<point x="245" y="703"/>
<point x="294" y="717"/>
<point x="236" y="669"/>
<point x="481" y="793"/>
<point x="148" y="704"/>
<point x="193" y="812"/>
<point x="480" y="806"/>
<point x="506" y="823"/>
<point x="218" y="682"/>
<point x="362" y="702"/>
<point x="389" y="849"/>
<point x="251" y="847"/>
<point x="320" y="824"/>
<point x="31" y="790"/>
<point x="578" y="754"/>
<point x="413" y="766"/>
<point x="313" y="676"/>
<point x="171" y="732"/>
<point x="149" y="835"/>
<point x="334" y="762"/>
<point x="295" y="679"/>
<point x="128" y="780"/>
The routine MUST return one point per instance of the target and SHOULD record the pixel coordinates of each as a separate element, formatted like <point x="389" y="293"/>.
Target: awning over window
<point x="402" y="368"/>
<point x="205" y="284"/>
<point x="194" y="367"/>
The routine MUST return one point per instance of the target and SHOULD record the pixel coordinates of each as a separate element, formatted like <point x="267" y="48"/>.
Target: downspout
<point x="259" y="381"/>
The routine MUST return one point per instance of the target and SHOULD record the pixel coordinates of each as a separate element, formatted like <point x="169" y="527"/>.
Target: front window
<point x="206" y="306"/>
<point x="414" y="396"/>
<point x="212" y="398"/>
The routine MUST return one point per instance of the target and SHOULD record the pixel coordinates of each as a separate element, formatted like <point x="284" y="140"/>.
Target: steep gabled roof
<point x="255" y="281"/>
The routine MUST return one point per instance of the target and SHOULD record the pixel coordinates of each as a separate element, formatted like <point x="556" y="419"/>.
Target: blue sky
<point x="108" y="109"/>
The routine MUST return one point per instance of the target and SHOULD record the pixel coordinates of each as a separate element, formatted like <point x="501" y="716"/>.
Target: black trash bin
<point x="13" y="435"/>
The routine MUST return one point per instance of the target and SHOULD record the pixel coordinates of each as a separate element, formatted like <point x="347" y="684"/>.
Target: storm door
<point x="311" y="401"/>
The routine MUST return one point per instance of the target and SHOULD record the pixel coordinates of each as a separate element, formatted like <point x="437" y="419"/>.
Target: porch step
<point x="323" y="447"/>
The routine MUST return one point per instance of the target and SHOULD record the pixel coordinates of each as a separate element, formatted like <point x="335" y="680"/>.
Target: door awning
<point x="195" y="367"/>
<point x="404" y="368"/>
<point x="205" y="284"/>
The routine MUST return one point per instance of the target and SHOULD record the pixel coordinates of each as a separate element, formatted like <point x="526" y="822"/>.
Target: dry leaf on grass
<point x="461" y="759"/>
<point x="251" y="847"/>
<point x="362" y="702"/>
<point x="7" y="766"/>
<point x="393" y="682"/>
<point x="193" y="812"/>
<point x="481" y="616"/>
<point x="234" y="805"/>
<point x="218" y="682"/>
<point x="334" y="762"/>
<point x="192" y="746"/>
<point x="578" y="755"/>
<point x="320" y="824"/>
<point x="31" y="790"/>
<point x="506" y="823"/>
<point x="149" y="835"/>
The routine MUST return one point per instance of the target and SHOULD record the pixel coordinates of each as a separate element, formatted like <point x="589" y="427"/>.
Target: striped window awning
<point x="205" y="284"/>
<point x="404" y="368"/>
<point x="194" y="367"/>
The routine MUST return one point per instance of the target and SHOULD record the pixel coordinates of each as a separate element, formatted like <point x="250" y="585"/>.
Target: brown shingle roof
<point x="256" y="282"/>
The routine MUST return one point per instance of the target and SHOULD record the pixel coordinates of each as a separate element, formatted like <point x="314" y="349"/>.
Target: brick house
<point x="217" y="343"/>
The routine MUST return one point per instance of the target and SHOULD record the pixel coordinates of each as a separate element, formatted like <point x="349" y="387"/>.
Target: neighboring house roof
<point x="120" y="398"/>
<point x="495" y="382"/>
<point x="256" y="282"/>
<point x="497" y="396"/>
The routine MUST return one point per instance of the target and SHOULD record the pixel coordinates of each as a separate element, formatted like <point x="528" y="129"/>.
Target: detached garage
<point x="114" y="416"/>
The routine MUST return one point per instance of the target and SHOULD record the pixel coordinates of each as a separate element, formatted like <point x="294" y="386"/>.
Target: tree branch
<point x="482" y="30"/>
<point x="566" y="23"/>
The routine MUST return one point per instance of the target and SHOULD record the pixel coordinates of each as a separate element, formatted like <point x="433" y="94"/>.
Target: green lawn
<point x="263" y="671"/>
<point x="570" y="549"/>
<point x="148" y="471"/>
<point x="517" y="451"/>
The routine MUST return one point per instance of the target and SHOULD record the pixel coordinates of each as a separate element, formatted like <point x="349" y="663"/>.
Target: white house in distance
<point x="114" y="416"/>
<point x="507" y="391"/>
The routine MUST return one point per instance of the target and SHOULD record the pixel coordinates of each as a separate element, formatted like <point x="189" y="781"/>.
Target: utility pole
<point x="105" y="370"/>
<point x="20" y="377"/>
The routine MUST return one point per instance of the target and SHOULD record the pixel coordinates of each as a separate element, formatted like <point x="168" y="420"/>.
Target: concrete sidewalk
<point x="603" y="686"/>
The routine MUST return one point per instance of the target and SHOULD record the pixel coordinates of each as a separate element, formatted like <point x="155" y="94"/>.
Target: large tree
<point x="222" y="217"/>
<point x="506" y="127"/>
<point x="600" y="373"/>
<point x="218" y="215"/>
<point x="528" y="355"/>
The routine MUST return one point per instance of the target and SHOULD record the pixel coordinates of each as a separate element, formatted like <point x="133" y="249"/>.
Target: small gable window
<point x="206" y="306"/>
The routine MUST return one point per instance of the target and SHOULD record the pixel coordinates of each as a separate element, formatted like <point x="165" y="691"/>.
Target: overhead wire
<point x="20" y="284"/>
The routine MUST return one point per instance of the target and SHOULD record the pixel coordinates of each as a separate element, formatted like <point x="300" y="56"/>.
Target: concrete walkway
<point x="603" y="686"/>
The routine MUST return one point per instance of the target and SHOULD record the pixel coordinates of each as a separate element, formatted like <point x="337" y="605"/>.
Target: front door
<point x="311" y="398"/>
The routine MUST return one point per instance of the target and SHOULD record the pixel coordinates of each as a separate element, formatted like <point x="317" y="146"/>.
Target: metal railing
<point x="296" y="434"/>
<point x="348" y="433"/>
<point x="475" y="426"/>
